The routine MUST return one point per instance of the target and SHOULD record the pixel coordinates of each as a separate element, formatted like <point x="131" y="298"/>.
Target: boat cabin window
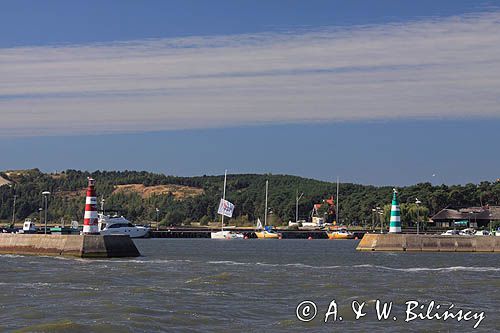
<point x="130" y="225"/>
<point x="118" y="225"/>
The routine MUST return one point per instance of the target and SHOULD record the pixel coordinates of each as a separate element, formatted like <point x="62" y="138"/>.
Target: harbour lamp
<point x="418" y="202"/>
<point x="46" y="197"/>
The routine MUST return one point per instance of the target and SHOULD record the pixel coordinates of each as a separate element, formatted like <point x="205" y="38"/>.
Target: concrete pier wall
<point x="428" y="243"/>
<point x="205" y="233"/>
<point x="84" y="246"/>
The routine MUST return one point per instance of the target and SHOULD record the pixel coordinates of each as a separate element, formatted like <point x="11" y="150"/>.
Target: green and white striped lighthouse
<point x="395" y="224"/>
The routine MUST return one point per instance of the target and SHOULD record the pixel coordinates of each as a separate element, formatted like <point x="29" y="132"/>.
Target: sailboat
<point x="264" y="232"/>
<point x="340" y="233"/>
<point x="225" y="209"/>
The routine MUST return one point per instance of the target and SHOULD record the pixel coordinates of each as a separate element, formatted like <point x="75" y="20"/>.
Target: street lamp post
<point x="157" y="219"/>
<point x="373" y="219"/>
<point x="381" y="213"/>
<point x="14" y="205"/>
<point x="46" y="197"/>
<point x="102" y="205"/>
<point x="14" y="211"/>
<point x="297" y="198"/>
<point x="418" y="202"/>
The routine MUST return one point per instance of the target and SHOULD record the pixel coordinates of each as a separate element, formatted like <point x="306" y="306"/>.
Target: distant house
<point x="473" y="217"/>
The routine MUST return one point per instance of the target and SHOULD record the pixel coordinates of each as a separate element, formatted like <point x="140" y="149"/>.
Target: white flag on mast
<point x="225" y="208"/>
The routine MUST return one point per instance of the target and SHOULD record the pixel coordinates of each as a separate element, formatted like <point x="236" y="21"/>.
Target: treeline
<point x="246" y="191"/>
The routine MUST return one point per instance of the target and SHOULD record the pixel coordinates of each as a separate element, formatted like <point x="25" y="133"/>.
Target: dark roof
<point x="477" y="213"/>
<point x="448" y="214"/>
<point x="483" y="213"/>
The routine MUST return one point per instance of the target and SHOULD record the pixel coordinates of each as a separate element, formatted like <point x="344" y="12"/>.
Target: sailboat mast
<point x="224" y="197"/>
<point x="337" y="205"/>
<point x="265" y="213"/>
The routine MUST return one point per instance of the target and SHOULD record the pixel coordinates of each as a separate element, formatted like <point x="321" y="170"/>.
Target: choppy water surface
<point x="248" y="285"/>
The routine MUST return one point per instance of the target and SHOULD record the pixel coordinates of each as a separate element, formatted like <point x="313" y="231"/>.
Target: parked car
<point x="482" y="233"/>
<point x="468" y="232"/>
<point x="451" y="233"/>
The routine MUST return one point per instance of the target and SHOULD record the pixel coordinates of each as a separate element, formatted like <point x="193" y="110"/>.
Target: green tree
<point x="173" y="218"/>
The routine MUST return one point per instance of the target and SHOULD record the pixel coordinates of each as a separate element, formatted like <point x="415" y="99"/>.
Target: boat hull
<point x="225" y="234"/>
<point x="131" y="232"/>
<point x="336" y="235"/>
<point x="268" y="235"/>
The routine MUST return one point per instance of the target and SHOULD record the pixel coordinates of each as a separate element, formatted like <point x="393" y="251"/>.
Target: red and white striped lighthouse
<point x="90" y="218"/>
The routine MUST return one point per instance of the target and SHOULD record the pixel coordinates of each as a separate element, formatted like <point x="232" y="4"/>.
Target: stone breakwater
<point x="428" y="243"/>
<point x="84" y="246"/>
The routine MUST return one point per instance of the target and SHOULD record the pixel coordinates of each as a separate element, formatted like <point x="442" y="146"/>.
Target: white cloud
<point x="446" y="68"/>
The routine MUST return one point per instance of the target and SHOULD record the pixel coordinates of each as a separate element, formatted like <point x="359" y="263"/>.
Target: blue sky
<point x="379" y="92"/>
<point x="47" y="22"/>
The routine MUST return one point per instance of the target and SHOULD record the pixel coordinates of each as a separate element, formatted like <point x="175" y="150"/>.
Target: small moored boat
<point x="341" y="233"/>
<point x="270" y="234"/>
<point x="225" y="209"/>
<point x="225" y="234"/>
<point x="263" y="232"/>
<point x="266" y="232"/>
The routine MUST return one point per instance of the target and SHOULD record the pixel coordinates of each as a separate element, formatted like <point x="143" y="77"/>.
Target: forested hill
<point x="136" y="195"/>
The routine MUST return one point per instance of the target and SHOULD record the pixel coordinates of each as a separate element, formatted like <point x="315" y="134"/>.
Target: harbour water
<point x="250" y="285"/>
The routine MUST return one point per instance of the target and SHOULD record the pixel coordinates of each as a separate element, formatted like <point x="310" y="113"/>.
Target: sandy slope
<point x="3" y="181"/>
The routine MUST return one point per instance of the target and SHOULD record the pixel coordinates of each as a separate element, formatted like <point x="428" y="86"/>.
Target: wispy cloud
<point x="441" y="67"/>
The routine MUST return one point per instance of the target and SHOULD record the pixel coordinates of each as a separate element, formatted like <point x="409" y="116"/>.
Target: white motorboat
<point x="225" y="234"/>
<point x="118" y="225"/>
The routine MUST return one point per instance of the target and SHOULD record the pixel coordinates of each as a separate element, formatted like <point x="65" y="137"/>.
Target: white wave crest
<point x="434" y="269"/>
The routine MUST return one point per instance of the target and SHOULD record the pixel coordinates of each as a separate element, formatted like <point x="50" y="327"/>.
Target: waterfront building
<point x="473" y="217"/>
